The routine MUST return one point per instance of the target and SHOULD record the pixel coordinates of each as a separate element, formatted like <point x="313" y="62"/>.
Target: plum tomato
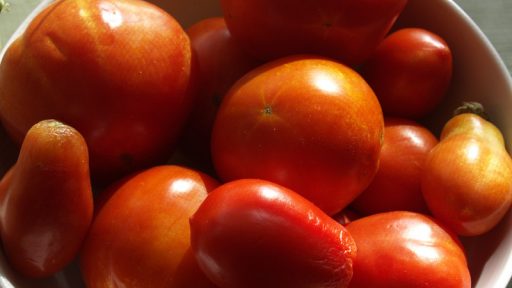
<point x="253" y="233"/>
<point x="410" y="72"/>
<point x="347" y="31"/>
<point x="397" y="184"/>
<point x="305" y="122"/>
<point x="406" y="249"/>
<point x="120" y="72"/>
<point x="467" y="179"/>
<point x="47" y="206"/>
<point x="140" y="236"/>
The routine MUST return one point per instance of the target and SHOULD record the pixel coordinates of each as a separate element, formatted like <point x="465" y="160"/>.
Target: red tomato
<point x="253" y="233"/>
<point x="140" y="237"/>
<point x="410" y="72"/>
<point x="348" y="31"/>
<point x="307" y="123"/>
<point x="117" y="71"/>
<point x="47" y="207"/>
<point x="397" y="184"/>
<point x="406" y="249"/>
<point x="221" y="62"/>
<point x="467" y="180"/>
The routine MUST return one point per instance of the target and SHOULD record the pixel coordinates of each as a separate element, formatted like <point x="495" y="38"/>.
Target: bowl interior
<point x="479" y="75"/>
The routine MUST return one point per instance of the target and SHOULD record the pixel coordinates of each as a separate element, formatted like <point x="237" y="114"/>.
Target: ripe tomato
<point x="47" y="207"/>
<point x="467" y="180"/>
<point x="140" y="237"/>
<point x="406" y="249"/>
<point x="221" y="62"/>
<point x="410" y="72"/>
<point x="253" y="233"/>
<point x="117" y="71"/>
<point x="396" y="186"/>
<point x="348" y="31"/>
<point x="304" y="122"/>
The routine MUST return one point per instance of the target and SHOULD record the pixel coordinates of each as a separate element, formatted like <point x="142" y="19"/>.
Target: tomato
<point x="307" y="123"/>
<point x="254" y="233"/>
<point x="140" y="236"/>
<point x="396" y="186"/>
<point x="406" y="249"/>
<point x="467" y="181"/>
<point x="348" y="31"/>
<point x="221" y="62"/>
<point x="410" y="72"/>
<point x="47" y="208"/>
<point x="118" y="71"/>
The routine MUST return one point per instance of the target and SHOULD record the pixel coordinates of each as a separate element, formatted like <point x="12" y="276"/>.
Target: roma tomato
<point x="140" y="237"/>
<point x="410" y="72"/>
<point x="397" y="184"/>
<point x="307" y="123"/>
<point x="467" y="180"/>
<point x="406" y="249"/>
<point x="117" y="71"/>
<point x="221" y="62"/>
<point x="348" y="31"/>
<point x="254" y="233"/>
<point x="48" y="207"/>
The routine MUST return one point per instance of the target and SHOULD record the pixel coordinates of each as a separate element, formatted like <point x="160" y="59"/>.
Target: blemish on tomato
<point x="267" y="110"/>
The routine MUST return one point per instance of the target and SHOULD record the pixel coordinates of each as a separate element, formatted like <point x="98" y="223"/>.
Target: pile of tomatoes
<point x="277" y="146"/>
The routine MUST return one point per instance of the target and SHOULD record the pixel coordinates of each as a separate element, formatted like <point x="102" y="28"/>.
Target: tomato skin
<point x="140" y="237"/>
<point x="307" y="123"/>
<point x="254" y="233"/>
<point x="347" y="31"/>
<point x="467" y="181"/>
<point x="47" y="208"/>
<point x="92" y="64"/>
<point x="221" y="62"/>
<point x="397" y="184"/>
<point x="410" y="72"/>
<point x="406" y="249"/>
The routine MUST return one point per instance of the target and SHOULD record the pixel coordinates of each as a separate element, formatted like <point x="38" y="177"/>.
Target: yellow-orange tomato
<point x="467" y="180"/>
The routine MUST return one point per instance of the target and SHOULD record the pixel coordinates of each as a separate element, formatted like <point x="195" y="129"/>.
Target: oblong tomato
<point x="307" y="123"/>
<point x="253" y="233"/>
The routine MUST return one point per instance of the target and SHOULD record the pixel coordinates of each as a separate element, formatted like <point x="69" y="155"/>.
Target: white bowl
<point x="479" y="75"/>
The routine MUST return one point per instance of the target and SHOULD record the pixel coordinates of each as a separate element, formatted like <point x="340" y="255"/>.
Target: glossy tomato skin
<point x="307" y="123"/>
<point x="410" y="72"/>
<point x="221" y="62"/>
<point x="406" y="249"/>
<point x="118" y="71"/>
<point x="345" y="30"/>
<point x="467" y="181"/>
<point x="254" y="233"/>
<point x="47" y="207"/>
<point x="140" y="237"/>
<point x="397" y="184"/>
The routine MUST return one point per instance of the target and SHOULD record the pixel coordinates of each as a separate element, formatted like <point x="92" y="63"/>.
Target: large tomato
<point x="140" y="236"/>
<point x="397" y="184"/>
<point x="347" y="30"/>
<point x="117" y="71"/>
<point x="307" y="123"/>
<point x="406" y="249"/>
<point x="253" y="233"/>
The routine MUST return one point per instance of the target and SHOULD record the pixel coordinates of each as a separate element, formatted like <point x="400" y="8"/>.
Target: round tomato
<point x="253" y="233"/>
<point x="221" y="62"/>
<point x="307" y="123"/>
<point x="397" y="184"/>
<point x="467" y="179"/>
<point x="47" y="206"/>
<point x="406" y="249"/>
<point x="140" y="237"/>
<point x="410" y="72"/>
<point x="117" y="71"/>
<point x="348" y="31"/>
